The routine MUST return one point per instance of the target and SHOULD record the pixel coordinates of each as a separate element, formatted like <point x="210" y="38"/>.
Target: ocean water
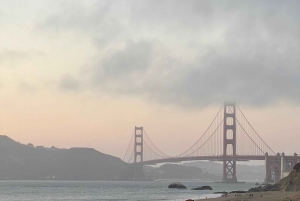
<point x="108" y="190"/>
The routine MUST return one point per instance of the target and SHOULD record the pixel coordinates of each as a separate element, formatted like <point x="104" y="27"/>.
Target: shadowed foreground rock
<point x="177" y="185"/>
<point x="221" y="192"/>
<point x="289" y="183"/>
<point x="202" y="188"/>
<point x="268" y="187"/>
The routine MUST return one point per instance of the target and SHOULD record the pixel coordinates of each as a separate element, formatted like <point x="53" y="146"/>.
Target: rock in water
<point x="203" y="188"/>
<point x="177" y="185"/>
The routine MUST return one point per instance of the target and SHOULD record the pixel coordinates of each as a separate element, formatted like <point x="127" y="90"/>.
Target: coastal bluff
<point x="27" y="162"/>
<point x="292" y="181"/>
<point x="289" y="183"/>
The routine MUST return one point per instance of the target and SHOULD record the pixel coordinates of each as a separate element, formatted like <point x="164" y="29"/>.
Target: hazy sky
<point x="84" y="73"/>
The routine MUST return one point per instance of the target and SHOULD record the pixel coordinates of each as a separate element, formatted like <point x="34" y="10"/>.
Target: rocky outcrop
<point x="233" y="192"/>
<point x="203" y="188"/>
<point x="268" y="187"/>
<point x="292" y="181"/>
<point x="289" y="183"/>
<point x="177" y="185"/>
<point x="297" y="167"/>
<point x="221" y="192"/>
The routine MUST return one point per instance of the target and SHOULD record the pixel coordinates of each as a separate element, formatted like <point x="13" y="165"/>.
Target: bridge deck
<point x="214" y="158"/>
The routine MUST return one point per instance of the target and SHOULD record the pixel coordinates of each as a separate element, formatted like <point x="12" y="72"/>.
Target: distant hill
<point x="244" y="172"/>
<point x="23" y="162"/>
<point x="178" y="171"/>
<point x="203" y="170"/>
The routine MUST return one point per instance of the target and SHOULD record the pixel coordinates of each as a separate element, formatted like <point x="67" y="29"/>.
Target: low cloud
<point x="68" y="83"/>
<point x="191" y="54"/>
<point x="136" y="57"/>
<point x="12" y="58"/>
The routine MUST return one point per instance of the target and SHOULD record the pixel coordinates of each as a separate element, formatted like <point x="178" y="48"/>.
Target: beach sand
<point x="262" y="196"/>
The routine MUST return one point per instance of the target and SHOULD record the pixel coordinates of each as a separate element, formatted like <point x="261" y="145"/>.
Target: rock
<point x="271" y="187"/>
<point x="289" y="183"/>
<point x="252" y="190"/>
<point x="224" y="192"/>
<point x="232" y="192"/>
<point x="203" y="188"/>
<point x="297" y="167"/>
<point x="292" y="181"/>
<point x="265" y="188"/>
<point x="177" y="185"/>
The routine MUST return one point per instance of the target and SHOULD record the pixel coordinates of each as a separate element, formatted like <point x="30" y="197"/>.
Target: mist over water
<point x="105" y="190"/>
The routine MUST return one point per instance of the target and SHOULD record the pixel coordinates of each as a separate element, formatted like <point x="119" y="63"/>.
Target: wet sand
<point x="261" y="196"/>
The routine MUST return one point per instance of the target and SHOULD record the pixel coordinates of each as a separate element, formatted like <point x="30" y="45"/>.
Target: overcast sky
<point x="84" y="73"/>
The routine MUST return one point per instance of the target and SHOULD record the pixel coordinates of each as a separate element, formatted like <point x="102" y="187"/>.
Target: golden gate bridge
<point x="228" y="139"/>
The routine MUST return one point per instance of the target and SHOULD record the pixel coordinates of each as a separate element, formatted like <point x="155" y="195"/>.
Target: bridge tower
<point x="229" y="143"/>
<point x="138" y="174"/>
<point x="138" y="144"/>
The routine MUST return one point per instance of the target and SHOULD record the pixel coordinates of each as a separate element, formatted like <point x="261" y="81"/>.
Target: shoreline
<point x="260" y="196"/>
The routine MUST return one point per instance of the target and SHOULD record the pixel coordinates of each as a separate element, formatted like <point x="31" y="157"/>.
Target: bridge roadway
<point x="215" y="158"/>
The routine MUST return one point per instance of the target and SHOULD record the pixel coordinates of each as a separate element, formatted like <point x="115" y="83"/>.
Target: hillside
<point x="244" y="172"/>
<point x="177" y="171"/>
<point x="288" y="183"/>
<point x="23" y="162"/>
<point x="292" y="181"/>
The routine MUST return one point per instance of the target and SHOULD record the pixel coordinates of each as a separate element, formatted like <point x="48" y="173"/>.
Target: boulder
<point x="177" y="185"/>
<point x="222" y="192"/>
<point x="268" y="187"/>
<point x="297" y="167"/>
<point x="203" y="188"/>
<point x="291" y="182"/>
<point x="233" y="192"/>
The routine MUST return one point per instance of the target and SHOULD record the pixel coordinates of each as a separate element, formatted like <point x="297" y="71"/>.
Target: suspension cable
<point x="128" y="145"/>
<point x="202" y="134"/>
<point x="250" y="137"/>
<point x="130" y="156"/>
<point x="255" y="131"/>
<point x="153" y="150"/>
<point x="207" y="139"/>
<point x="165" y="155"/>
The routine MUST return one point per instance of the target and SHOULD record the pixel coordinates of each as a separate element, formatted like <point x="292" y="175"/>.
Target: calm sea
<point x="104" y="190"/>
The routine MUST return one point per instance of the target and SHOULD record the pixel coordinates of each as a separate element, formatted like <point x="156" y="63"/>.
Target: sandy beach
<point x="262" y="196"/>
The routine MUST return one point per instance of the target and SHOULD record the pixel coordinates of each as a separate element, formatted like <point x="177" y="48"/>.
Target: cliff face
<point x="19" y="161"/>
<point x="289" y="183"/>
<point x="292" y="181"/>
